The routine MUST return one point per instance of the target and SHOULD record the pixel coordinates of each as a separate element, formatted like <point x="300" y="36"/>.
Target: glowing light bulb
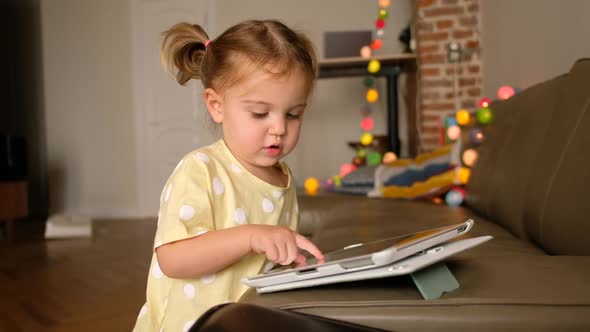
<point x="453" y="132"/>
<point x="477" y="135"/>
<point x="376" y="44"/>
<point x="345" y="169"/>
<point x="372" y="95"/>
<point x="384" y="3"/>
<point x="362" y="153"/>
<point x="311" y="186"/>
<point x="357" y="161"/>
<point x="374" y="66"/>
<point x="366" y="139"/>
<point x="484" y="102"/>
<point x="337" y="180"/>
<point x="328" y="184"/>
<point x="453" y="198"/>
<point x="463" y="117"/>
<point x="389" y="157"/>
<point x="469" y="157"/>
<point x="374" y="158"/>
<point x="367" y="124"/>
<point x="505" y="92"/>
<point x="463" y="175"/>
<point x="484" y="115"/>
<point x="366" y="52"/>
<point x="380" y="23"/>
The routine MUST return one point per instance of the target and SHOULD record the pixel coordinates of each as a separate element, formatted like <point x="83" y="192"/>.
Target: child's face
<point x="261" y="117"/>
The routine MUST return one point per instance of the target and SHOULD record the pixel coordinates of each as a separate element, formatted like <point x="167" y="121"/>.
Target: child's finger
<point x="271" y="253"/>
<point x="300" y="260"/>
<point x="282" y="251"/>
<point x="291" y="252"/>
<point x="307" y="245"/>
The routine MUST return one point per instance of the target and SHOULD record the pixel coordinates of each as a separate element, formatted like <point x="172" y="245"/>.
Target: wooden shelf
<point x="355" y="61"/>
<point x="391" y="66"/>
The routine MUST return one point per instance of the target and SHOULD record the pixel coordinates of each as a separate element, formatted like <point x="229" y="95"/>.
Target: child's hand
<point x="280" y="244"/>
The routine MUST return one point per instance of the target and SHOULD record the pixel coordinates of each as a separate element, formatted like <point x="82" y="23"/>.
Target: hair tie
<point x="207" y="43"/>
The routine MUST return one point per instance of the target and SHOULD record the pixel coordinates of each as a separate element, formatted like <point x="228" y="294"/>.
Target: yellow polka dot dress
<point x="210" y="190"/>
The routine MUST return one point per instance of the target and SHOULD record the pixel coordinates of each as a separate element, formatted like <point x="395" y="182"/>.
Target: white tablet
<point x="362" y="256"/>
<point x="405" y="266"/>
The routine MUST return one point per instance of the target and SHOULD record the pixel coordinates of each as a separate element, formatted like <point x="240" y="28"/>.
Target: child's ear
<point x="214" y="104"/>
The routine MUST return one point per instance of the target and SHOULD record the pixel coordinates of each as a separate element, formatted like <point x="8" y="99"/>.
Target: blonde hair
<point x="254" y="44"/>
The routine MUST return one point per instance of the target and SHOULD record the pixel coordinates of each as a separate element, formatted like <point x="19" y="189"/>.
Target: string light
<point x="505" y="92"/>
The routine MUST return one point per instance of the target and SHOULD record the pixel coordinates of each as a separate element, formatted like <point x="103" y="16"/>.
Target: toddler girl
<point x="230" y="209"/>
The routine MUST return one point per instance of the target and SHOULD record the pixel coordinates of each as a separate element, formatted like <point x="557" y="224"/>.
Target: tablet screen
<point x="362" y="249"/>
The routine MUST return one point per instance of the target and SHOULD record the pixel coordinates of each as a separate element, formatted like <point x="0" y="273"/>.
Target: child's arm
<point x="214" y="251"/>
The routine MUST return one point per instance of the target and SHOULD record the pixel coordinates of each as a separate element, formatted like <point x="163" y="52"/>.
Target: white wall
<point x="89" y="114"/>
<point x="529" y="41"/>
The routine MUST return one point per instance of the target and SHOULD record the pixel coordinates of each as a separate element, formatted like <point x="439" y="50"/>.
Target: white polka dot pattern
<point x="267" y="205"/>
<point x="143" y="311"/>
<point x="156" y="272"/>
<point x="208" y="279"/>
<point x="189" y="291"/>
<point x="217" y="186"/>
<point x="277" y="194"/>
<point x="236" y="169"/>
<point x="202" y="156"/>
<point x="186" y="212"/>
<point x="240" y="216"/>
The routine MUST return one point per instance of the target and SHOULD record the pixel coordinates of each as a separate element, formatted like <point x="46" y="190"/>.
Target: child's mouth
<point x="272" y="150"/>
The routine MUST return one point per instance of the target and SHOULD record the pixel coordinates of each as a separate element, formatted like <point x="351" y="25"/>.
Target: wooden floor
<point x="94" y="284"/>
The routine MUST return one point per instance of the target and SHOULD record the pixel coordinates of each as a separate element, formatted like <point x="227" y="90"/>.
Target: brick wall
<point x="445" y="87"/>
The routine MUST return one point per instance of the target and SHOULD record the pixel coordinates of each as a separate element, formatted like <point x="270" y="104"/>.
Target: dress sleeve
<point x="185" y="205"/>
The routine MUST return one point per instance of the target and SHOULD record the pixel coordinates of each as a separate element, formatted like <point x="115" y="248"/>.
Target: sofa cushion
<point x="532" y="168"/>
<point x="343" y="220"/>
<point x="557" y="208"/>
<point x="498" y="184"/>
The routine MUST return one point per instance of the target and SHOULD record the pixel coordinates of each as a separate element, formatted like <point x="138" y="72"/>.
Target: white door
<point x="170" y="119"/>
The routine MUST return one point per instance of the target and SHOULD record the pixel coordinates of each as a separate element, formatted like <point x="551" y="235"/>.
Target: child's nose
<point x="278" y="127"/>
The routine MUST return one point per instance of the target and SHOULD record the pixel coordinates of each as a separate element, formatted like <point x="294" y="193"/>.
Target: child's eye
<point x="293" y="116"/>
<point x="259" y="115"/>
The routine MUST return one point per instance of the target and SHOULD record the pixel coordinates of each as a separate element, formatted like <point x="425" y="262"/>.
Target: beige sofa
<point x="530" y="189"/>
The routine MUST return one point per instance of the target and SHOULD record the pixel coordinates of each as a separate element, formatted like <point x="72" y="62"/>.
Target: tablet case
<point x="405" y="266"/>
<point x="382" y="258"/>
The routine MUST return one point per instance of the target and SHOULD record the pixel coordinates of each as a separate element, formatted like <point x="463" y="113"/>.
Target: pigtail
<point x="183" y="50"/>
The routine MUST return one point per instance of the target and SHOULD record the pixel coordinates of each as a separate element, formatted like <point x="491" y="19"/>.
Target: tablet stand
<point x="434" y="280"/>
